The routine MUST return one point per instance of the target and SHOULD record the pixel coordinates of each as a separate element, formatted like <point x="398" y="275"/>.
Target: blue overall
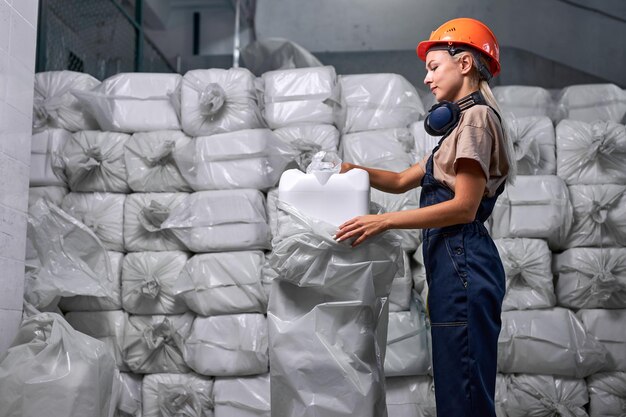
<point x="466" y="285"/>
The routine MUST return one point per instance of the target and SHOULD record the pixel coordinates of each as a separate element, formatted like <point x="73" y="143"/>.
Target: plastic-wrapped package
<point x="154" y="344"/>
<point x="271" y="53"/>
<point x="53" y="194"/>
<point x="537" y="206"/>
<point x="174" y="395"/>
<point x="411" y="396"/>
<point x="609" y="328"/>
<point x="129" y="403"/>
<point x="103" y="213"/>
<point x="418" y="270"/>
<point x="534" y="142"/>
<point x="591" y="102"/>
<point x="150" y="163"/>
<point x="411" y="238"/>
<point x="106" y="326"/>
<point x="54" y="106"/>
<point x="408" y="341"/>
<point x="149" y="281"/>
<point x="501" y="395"/>
<point x="384" y="149"/>
<point x="550" y="342"/>
<point x="252" y="158"/>
<point x="135" y="102"/>
<point x="599" y="215"/>
<point x="223" y="283"/>
<point x="400" y="294"/>
<point x="218" y="101"/>
<point x="298" y="96"/>
<point x="424" y="143"/>
<point x="327" y="319"/>
<point x="268" y="275"/>
<point x="45" y="147"/>
<point x="94" y="161"/>
<point x="524" y="101"/>
<point x="528" y="267"/>
<point x="607" y="394"/>
<point x="242" y="397"/>
<point x="591" y="278"/>
<point x="91" y="303"/>
<point x="233" y="345"/>
<point x="307" y="140"/>
<point x="544" y="395"/>
<point x="377" y="101"/>
<point x="272" y="211"/>
<point x="591" y="153"/>
<point x="52" y="369"/>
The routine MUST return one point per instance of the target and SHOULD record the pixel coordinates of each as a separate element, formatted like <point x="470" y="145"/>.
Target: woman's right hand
<point x="345" y="167"/>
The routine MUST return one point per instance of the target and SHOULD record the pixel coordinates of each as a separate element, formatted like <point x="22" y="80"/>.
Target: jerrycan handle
<point x="323" y="176"/>
<point x="323" y="165"/>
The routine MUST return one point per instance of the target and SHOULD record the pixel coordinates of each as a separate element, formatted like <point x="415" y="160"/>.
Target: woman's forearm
<point x="443" y="214"/>
<point x="387" y="181"/>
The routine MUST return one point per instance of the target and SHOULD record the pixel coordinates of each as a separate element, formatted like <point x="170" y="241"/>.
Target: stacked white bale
<point x="524" y="101"/>
<point x="171" y="395"/>
<point x="219" y="101"/>
<point x="400" y="294"/>
<point x="53" y="194"/>
<point x="418" y="270"/>
<point x="45" y="147"/>
<point x="130" y="397"/>
<point x="411" y="396"/>
<point x="607" y="394"/>
<point x="591" y="102"/>
<point x="609" y="328"/>
<point x="242" y="397"/>
<point x="298" y="96"/>
<point x="424" y="143"/>
<point x="534" y="144"/>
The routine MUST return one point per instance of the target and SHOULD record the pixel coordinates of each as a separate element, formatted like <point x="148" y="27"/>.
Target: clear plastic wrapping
<point x="524" y="101"/>
<point x="242" y="397"/>
<point x="384" y="149"/>
<point x="609" y="328"/>
<point x="591" y="102"/>
<point x="176" y="395"/>
<point x="607" y="394"/>
<point x="534" y="143"/>
<point x="411" y="396"/>
<point x="52" y="194"/>
<point x="306" y="140"/>
<point x="45" y="148"/>
<point x="411" y="238"/>
<point x="401" y="286"/>
<point x="130" y="401"/>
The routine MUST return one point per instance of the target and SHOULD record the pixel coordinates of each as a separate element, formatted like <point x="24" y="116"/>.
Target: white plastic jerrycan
<point x="325" y="195"/>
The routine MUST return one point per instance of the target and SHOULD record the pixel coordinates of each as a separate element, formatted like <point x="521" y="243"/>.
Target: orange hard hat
<point x="468" y="32"/>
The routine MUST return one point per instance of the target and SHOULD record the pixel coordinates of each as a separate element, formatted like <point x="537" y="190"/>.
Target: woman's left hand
<point x="362" y="227"/>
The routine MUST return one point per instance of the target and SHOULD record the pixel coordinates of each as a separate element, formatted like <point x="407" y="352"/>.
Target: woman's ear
<point x="467" y="62"/>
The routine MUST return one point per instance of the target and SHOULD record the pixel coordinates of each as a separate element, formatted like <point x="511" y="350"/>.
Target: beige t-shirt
<point x="477" y="136"/>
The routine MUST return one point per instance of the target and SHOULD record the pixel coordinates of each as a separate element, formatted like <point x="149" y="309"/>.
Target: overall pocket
<point x="455" y="245"/>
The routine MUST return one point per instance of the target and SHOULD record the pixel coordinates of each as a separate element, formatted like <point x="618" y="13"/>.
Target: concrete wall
<point x="18" y="22"/>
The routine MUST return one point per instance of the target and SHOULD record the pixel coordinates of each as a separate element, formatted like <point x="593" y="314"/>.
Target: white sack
<point x="607" y="394"/>
<point x="411" y="396"/>
<point x="45" y="147"/>
<point x="218" y="101"/>
<point x="253" y="158"/>
<point x="401" y="286"/>
<point x="377" y="101"/>
<point x="591" y="153"/>
<point x="129" y="403"/>
<point x="306" y="140"/>
<point x="268" y="275"/>
<point x="176" y="395"/>
<point x="154" y="344"/>
<point x="135" y="102"/>
<point x="609" y="328"/>
<point x="591" y="278"/>
<point x="242" y="397"/>
<point x="599" y="215"/>
<point x="53" y="194"/>
<point x="550" y="342"/>
<point x="528" y="267"/>
<point x="94" y="161"/>
<point x="223" y="283"/>
<point x="272" y="211"/>
<point x="591" y="102"/>
<point x="418" y="270"/>
<point x="545" y="395"/>
<point x="300" y="95"/>
<point x="524" y="101"/>
<point x="411" y="238"/>
<point x="501" y="395"/>
<point x="384" y="149"/>
<point x="54" y="106"/>
<point x="106" y="326"/>
<point x="150" y="164"/>
<point x="103" y="213"/>
<point x="424" y="143"/>
<point x="53" y="370"/>
<point x="149" y="282"/>
<point x="534" y="144"/>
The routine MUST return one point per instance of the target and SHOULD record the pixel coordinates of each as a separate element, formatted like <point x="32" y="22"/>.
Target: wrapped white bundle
<point x="149" y="282"/>
<point x="550" y="342"/>
<point x="307" y="140"/>
<point x="385" y="149"/>
<point x="253" y="158"/>
<point x="500" y="396"/>
<point x="524" y="101"/>
<point x="424" y="143"/>
<point x="298" y="96"/>
<point x="91" y="303"/>
<point x="218" y="101"/>
<point x="591" y="278"/>
<point x="268" y="275"/>
<point x="609" y="328"/>
<point x="135" y="102"/>
<point x="242" y="397"/>
<point x="143" y="216"/>
<point x="103" y="213"/>
<point x="94" y="161"/>
<point x="377" y="101"/>
<point x="411" y="396"/>
<point x="411" y="238"/>
<point x="534" y="143"/>
<point x="418" y="270"/>
<point x="53" y="194"/>
<point x="400" y="294"/>
<point x="528" y="267"/>
<point x="544" y="395"/>
<point x="129" y="403"/>
<point x="599" y="216"/>
<point x="45" y="147"/>
<point x="150" y="164"/>
<point x="54" y="370"/>
<point x="54" y="106"/>
<point x="272" y="211"/>
<point x="223" y="283"/>
<point x="154" y="344"/>
<point x="591" y="153"/>
<point x="106" y="326"/>
<point x="537" y="206"/>
<point x="607" y="394"/>
<point x="591" y="102"/>
<point x="174" y="395"/>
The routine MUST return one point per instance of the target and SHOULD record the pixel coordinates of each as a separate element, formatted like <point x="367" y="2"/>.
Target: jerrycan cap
<point x="323" y="165"/>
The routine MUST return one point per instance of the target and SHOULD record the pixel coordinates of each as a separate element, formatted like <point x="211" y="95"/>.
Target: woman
<point x="460" y="182"/>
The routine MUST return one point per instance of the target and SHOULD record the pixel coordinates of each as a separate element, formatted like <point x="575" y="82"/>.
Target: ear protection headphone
<point x="445" y="115"/>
